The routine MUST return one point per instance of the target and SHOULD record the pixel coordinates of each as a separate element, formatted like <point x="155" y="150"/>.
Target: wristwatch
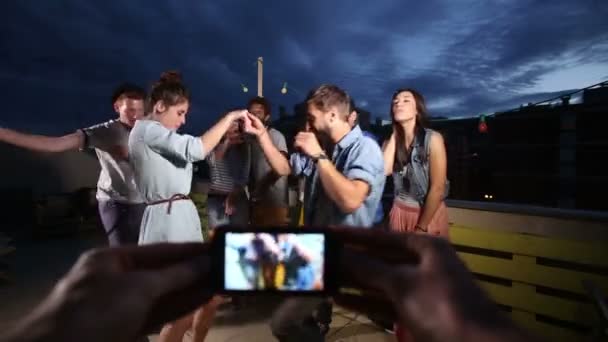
<point x="319" y="156"/>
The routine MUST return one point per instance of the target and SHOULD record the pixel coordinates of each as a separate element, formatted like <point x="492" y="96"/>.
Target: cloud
<point x="464" y="56"/>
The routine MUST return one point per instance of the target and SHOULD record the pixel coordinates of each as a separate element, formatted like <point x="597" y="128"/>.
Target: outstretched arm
<point x="43" y="143"/>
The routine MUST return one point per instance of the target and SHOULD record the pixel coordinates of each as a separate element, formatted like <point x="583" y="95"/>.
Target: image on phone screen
<point x="266" y="261"/>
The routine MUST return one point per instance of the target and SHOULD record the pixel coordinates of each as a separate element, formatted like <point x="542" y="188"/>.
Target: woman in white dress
<point x="162" y="163"/>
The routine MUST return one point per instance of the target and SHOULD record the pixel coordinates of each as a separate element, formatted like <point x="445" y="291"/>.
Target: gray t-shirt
<point x="116" y="181"/>
<point x="275" y="194"/>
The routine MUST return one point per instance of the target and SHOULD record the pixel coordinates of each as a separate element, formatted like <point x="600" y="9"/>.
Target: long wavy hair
<point x="401" y="152"/>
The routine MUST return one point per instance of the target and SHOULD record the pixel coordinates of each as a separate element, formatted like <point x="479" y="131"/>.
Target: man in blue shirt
<point x="343" y="188"/>
<point x="353" y="120"/>
<point x="304" y="165"/>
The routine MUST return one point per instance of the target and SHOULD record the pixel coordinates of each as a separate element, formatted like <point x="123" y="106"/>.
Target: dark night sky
<point x="60" y="59"/>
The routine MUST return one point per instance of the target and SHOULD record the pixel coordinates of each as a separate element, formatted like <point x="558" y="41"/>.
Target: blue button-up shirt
<point x="357" y="157"/>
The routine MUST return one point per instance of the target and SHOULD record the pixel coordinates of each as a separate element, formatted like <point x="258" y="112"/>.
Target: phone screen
<point x="274" y="261"/>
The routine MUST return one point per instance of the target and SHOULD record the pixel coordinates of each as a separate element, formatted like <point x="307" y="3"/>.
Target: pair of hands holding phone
<point x="116" y="294"/>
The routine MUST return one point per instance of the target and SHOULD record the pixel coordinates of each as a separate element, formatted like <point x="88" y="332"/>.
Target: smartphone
<point x="279" y="261"/>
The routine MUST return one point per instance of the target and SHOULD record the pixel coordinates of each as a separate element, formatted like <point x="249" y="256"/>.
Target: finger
<point x="246" y="119"/>
<point x="253" y="118"/>
<point x="159" y="255"/>
<point x="242" y="113"/>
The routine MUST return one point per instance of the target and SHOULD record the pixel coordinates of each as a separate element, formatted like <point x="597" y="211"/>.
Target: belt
<point x="176" y="197"/>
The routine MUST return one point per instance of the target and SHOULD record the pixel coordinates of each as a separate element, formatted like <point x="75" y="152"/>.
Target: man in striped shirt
<point x="229" y="165"/>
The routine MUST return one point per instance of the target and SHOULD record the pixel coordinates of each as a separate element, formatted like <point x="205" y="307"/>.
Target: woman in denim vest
<point x="416" y="158"/>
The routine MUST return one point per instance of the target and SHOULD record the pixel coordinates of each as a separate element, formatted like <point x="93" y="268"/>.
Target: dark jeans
<point x="294" y="320"/>
<point x="121" y="221"/>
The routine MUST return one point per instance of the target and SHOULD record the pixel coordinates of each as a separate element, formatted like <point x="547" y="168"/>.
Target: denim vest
<point x="412" y="183"/>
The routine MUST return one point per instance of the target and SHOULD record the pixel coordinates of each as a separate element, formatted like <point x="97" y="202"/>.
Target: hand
<point x="117" y="294"/>
<point x="230" y="202"/>
<point x="239" y="114"/>
<point x="307" y="143"/>
<point x="430" y="290"/>
<point x="254" y="126"/>
<point x="228" y="206"/>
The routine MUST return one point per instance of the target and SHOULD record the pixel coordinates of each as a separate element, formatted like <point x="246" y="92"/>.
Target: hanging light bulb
<point x="284" y="89"/>
<point x="244" y="88"/>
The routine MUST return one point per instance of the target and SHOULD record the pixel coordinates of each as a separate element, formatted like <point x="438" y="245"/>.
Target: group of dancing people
<point x="146" y="175"/>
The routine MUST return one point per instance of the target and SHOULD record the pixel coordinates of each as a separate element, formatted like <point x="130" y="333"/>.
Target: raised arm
<point x="213" y="136"/>
<point x="43" y="143"/>
<point x="276" y="159"/>
<point x="186" y="147"/>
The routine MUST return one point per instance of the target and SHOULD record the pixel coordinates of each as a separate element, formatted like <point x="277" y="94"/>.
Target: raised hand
<point x="308" y="144"/>
<point x="238" y="114"/>
<point x="254" y="126"/>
